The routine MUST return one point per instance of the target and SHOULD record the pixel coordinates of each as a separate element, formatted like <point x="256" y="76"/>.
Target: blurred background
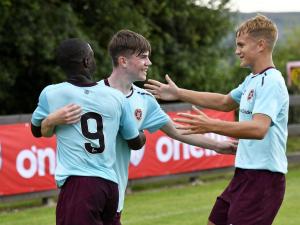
<point x="192" y="41"/>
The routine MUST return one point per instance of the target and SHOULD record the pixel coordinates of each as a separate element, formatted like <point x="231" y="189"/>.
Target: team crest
<point x="138" y="114"/>
<point x="250" y="95"/>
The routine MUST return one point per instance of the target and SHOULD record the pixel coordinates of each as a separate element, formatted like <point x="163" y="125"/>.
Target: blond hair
<point x="260" y="27"/>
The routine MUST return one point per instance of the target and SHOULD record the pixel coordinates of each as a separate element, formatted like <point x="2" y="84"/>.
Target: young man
<point x="86" y="150"/>
<point x="256" y="191"/>
<point x="130" y="57"/>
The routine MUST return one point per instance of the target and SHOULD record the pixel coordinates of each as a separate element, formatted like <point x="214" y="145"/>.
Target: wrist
<point x="49" y="121"/>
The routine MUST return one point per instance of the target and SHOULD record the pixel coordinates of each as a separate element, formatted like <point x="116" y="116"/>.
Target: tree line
<point x="189" y="42"/>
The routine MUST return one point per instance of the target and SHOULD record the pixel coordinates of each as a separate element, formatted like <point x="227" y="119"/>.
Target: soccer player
<point x="256" y="191"/>
<point x="86" y="150"/>
<point x="130" y="52"/>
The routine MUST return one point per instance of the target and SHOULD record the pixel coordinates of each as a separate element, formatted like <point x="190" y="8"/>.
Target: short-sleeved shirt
<point x="87" y="148"/>
<point x="263" y="93"/>
<point x="148" y="116"/>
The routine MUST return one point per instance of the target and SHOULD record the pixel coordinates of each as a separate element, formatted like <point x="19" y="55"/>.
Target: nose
<point x="237" y="51"/>
<point x="148" y="62"/>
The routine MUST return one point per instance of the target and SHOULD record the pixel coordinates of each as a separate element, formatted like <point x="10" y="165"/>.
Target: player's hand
<point x="195" y="124"/>
<point x="227" y="147"/>
<point x="163" y="91"/>
<point x="68" y="114"/>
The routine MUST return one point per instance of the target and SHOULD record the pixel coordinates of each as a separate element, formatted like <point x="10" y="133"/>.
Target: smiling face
<point x="137" y="66"/>
<point x="247" y="49"/>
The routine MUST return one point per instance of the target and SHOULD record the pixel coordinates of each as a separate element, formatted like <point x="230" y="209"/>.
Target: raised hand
<point x="167" y="92"/>
<point x="195" y="124"/>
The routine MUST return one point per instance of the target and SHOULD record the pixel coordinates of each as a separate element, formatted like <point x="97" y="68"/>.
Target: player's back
<point x="86" y="148"/>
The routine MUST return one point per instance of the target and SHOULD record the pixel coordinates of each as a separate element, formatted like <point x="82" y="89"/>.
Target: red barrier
<point x="163" y="155"/>
<point x="27" y="164"/>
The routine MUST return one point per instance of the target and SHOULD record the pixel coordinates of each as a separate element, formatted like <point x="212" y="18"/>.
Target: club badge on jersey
<point x="250" y="95"/>
<point x="138" y="114"/>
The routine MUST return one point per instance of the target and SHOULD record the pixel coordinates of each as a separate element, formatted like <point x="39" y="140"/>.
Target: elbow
<point x="138" y="142"/>
<point x="36" y="131"/>
<point x="260" y="134"/>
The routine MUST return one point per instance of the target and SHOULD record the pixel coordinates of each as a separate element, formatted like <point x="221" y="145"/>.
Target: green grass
<point x="293" y="144"/>
<point x="182" y="204"/>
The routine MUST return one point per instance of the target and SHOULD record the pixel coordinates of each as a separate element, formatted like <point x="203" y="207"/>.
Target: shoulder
<point x="53" y="87"/>
<point x="273" y="77"/>
<point x="141" y="91"/>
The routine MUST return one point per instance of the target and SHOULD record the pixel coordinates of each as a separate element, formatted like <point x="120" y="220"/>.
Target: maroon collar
<point x="79" y="84"/>
<point x="107" y="84"/>
<point x="263" y="71"/>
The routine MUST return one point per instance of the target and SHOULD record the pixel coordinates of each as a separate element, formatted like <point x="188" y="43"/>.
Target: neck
<point x="262" y="63"/>
<point x="80" y="78"/>
<point x="120" y="81"/>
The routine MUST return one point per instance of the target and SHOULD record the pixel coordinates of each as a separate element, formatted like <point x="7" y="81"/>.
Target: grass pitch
<point x="183" y="204"/>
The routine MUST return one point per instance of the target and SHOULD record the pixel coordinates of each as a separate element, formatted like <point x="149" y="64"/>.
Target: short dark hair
<point x="71" y="52"/>
<point x="127" y="42"/>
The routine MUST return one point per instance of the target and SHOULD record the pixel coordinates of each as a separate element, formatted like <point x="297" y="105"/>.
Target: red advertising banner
<point x="27" y="164"/>
<point x="164" y="156"/>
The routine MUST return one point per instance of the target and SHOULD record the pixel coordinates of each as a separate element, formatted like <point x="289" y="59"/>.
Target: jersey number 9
<point x="96" y="135"/>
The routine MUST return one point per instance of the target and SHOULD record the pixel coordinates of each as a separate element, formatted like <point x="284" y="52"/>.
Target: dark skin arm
<point x="138" y="142"/>
<point x="36" y="131"/>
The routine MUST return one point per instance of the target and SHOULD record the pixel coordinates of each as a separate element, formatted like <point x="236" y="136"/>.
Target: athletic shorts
<point x="86" y="201"/>
<point x="117" y="219"/>
<point x="253" y="197"/>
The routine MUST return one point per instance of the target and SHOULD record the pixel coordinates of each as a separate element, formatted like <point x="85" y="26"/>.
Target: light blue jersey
<point x="87" y="148"/>
<point x="148" y="116"/>
<point x="264" y="93"/>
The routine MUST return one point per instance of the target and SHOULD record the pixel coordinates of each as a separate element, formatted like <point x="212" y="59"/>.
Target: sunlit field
<point x="183" y="204"/>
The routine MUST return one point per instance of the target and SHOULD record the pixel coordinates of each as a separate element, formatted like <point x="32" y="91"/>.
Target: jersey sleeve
<point x="268" y="99"/>
<point x="237" y="93"/>
<point x="41" y="111"/>
<point x="128" y="128"/>
<point x="156" y="117"/>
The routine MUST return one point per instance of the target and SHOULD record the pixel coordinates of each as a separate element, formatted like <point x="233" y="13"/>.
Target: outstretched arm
<point x="68" y="114"/>
<point x="226" y="147"/>
<point x="200" y="123"/>
<point x="170" y="91"/>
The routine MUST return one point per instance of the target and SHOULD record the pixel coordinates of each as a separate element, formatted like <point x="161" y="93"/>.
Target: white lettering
<point x="23" y="155"/>
<point x="164" y="143"/>
<point x="169" y="149"/>
<point x="37" y="159"/>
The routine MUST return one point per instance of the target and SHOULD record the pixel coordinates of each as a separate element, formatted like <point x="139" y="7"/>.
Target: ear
<point x="122" y="61"/>
<point x="86" y="62"/>
<point x="262" y="44"/>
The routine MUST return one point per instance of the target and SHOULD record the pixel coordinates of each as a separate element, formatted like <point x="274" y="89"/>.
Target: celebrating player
<point x="86" y="150"/>
<point x="256" y="191"/>
<point x="130" y="52"/>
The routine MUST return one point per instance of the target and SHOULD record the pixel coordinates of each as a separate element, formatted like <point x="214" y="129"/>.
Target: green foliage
<point x="288" y="50"/>
<point x="185" y="38"/>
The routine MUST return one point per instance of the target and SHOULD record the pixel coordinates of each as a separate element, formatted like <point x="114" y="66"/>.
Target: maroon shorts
<point x="86" y="201"/>
<point x="253" y="197"/>
<point x="117" y="219"/>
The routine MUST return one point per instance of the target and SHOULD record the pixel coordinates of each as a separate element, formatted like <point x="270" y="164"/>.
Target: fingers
<point x="169" y="80"/>
<point x="184" y="127"/>
<point x="154" y="82"/>
<point x="186" y="115"/>
<point x="186" y="121"/>
<point x="151" y="87"/>
<point x="198" y="111"/>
